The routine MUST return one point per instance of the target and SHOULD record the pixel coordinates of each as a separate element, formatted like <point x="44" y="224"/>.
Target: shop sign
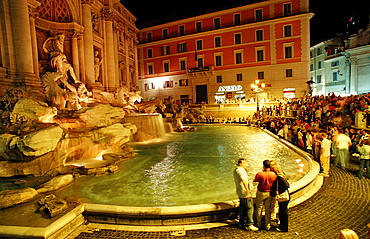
<point x="230" y="88"/>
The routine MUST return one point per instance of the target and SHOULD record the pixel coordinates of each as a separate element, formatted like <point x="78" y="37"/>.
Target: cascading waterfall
<point x="149" y="126"/>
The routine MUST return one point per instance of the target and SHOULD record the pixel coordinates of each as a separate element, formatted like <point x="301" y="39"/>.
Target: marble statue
<point x="64" y="96"/>
<point x="97" y="63"/>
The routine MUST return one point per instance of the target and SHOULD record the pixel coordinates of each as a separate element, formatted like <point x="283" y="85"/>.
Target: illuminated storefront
<point x="289" y="93"/>
<point x="230" y="94"/>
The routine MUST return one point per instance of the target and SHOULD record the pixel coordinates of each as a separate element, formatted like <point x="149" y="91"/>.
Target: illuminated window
<point x="183" y="82"/>
<point x="149" y="86"/>
<point x="168" y="84"/>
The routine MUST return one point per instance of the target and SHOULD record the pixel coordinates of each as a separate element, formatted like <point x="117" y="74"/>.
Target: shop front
<point x="230" y="94"/>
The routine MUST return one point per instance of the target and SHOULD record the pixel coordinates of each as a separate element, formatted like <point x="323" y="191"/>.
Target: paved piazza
<point x="342" y="202"/>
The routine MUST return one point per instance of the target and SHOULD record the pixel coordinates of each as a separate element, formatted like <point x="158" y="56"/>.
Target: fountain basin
<point x="164" y="217"/>
<point x="201" y="213"/>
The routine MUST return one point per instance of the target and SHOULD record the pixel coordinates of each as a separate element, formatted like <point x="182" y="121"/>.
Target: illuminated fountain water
<point x="186" y="178"/>
<point x="150" y="126"/>
<point x="188" y="168"/>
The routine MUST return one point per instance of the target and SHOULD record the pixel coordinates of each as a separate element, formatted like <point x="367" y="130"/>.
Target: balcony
<point x="200" y="71"/>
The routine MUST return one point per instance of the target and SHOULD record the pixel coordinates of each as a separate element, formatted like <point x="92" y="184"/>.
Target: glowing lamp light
<point x="258" y="88"/>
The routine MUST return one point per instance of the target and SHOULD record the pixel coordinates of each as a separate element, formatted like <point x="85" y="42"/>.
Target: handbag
<point x="282" y="197"/>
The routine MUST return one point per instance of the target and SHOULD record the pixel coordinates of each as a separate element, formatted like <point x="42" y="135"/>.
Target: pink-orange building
<point x="216" y="57"/>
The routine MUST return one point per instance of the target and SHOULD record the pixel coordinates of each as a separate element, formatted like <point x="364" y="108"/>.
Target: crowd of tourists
<point x="322" y="126"/>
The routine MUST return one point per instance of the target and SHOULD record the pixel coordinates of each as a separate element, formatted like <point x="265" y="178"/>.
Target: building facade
<point x="341" y="65"/>
<point x="99" y="42"/>
<point x="217" y="56"/>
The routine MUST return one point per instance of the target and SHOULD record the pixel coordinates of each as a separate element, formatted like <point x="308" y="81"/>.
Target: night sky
<point x="331" y="17"/>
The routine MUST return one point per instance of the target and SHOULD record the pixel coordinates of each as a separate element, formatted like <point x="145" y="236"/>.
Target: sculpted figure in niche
<point x="54" y="46"/>
<point x="97" y="63"/>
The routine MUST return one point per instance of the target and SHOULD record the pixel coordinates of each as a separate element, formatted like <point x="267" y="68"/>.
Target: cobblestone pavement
<point x="342" y="202"/>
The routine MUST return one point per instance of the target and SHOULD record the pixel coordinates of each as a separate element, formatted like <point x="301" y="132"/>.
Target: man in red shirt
<point x="265" y="179"/>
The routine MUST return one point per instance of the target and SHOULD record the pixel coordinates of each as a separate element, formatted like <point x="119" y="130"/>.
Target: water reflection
<point x="162" y="173"/>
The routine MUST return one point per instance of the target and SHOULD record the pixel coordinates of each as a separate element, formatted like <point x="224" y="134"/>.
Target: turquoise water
<point x="187" y="168"/>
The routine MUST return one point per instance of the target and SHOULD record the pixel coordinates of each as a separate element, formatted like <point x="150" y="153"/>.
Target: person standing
<point x="309" y="141"/>
<point x="364" y="151"/>
<point x="281" y="185"/>
<point x="245" y="196"/>
<point x="325" y="154"/>
<point x="265" y="179"/>
<point x="343" y="142"/>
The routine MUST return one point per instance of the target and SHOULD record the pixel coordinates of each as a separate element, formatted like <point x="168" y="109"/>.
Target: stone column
<point x="88" y="43"/>
<point x="22" y="40"/>
<point x="136" y="60"/>
<point x="109" y="54"/>
<point x="33" y="16"/>
<point x="75" y="54"/>
<point x="81" y="58"/>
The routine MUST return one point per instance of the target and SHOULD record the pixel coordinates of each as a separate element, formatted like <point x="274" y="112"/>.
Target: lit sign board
<point x="230" y="88"/>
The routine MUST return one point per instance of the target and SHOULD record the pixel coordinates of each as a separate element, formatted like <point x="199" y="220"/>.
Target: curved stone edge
<point x="58" y="229"/>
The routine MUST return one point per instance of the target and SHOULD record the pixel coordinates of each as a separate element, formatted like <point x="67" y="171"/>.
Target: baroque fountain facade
<point x="68" y="74"/>
<point x="69" y="98"/>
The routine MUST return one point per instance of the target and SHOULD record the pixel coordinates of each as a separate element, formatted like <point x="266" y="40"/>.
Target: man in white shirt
<point x="245" y="197"/>
<point x="325" y="154"/>
<point x="343" y="142"/>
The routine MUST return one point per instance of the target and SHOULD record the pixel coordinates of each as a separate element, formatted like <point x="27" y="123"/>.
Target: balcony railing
<point x="205" y="71"/>
<point x="199" y="69"/>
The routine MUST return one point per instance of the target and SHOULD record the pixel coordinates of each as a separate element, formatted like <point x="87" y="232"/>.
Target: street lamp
<point x="257" y="87"/>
